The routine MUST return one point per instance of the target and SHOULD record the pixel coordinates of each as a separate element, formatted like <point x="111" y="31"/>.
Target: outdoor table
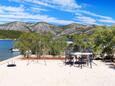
<point x="80" y="60"/>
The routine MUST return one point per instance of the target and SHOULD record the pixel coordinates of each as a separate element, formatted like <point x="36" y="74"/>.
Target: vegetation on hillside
<point x="10" y="34"/>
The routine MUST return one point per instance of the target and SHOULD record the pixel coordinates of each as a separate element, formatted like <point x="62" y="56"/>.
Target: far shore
<point x="7" y="39"/>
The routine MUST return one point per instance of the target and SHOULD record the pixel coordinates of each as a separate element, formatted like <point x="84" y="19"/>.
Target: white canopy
<point x="80" y="53"/>
<point x="69" y="42"/>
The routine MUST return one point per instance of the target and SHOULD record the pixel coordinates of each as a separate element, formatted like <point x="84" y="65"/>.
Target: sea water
<point x="5" y="52"/>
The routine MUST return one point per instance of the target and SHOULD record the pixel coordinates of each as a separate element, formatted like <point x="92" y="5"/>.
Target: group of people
<point x="80" y="60"/>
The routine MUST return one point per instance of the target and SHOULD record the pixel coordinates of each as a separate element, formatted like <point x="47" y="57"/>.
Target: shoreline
<point x="10" y="59"/>
<point x="7" y="39"/>
<point x="33" y="57"/>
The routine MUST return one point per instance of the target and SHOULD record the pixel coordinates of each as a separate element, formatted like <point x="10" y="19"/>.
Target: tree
<point x="58" y="45"/>
<point x="104" y="41"/>
<point x="83" y="41"/>
<point x="45" y="42"/>
<point x="24" y="43"/>
<point x="40" y="44"/>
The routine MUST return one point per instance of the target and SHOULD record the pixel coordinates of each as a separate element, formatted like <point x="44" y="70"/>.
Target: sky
<point x="61" y="12"/>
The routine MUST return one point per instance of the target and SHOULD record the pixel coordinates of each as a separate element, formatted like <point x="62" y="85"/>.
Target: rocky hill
<point x="19" y="26"/>
<point x="46" y="27"/>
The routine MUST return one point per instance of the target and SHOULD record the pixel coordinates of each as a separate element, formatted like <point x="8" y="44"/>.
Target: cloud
<point x="107" y="21"/>
<point x="38" y="9"/>
<point x="88" y="17"/>
<point x="94" y="15"/>
<point x="11" y="9"/>
<point x="58" y="21"/>
<point x="38" y="6"/>
<point x="100" y="18"/>
<point x="68" y="4"/>
<point x="86" y="20"/>
<point x="19" y="13"/>
<point x="64" y="5"/>
<point x="73" y="7"/>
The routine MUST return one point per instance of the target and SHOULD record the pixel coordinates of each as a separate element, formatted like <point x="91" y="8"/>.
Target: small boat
<point x="14" y="50"/>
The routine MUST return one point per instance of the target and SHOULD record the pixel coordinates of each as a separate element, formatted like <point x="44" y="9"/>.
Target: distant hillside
<point x="10" y="34"/>
<point x="41" y="27"/>
<point x="18" y="26"/>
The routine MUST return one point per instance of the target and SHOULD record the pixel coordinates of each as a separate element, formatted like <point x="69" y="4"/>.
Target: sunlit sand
<point x="54" y="73"/>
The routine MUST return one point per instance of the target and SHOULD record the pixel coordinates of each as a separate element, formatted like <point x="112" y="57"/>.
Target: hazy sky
<point x="101" y="12"/>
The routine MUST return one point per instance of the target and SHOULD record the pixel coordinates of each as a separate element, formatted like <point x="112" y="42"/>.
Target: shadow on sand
<point x="110" y="65"/>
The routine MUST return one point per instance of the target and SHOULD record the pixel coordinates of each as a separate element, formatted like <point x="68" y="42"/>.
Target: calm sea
<point x="5" y="53"/>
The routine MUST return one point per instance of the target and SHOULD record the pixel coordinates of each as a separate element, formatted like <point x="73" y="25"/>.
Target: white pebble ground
<point x="55" y="73"/>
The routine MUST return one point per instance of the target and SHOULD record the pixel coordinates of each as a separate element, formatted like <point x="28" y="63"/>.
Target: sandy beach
<point x="54" y="73"/>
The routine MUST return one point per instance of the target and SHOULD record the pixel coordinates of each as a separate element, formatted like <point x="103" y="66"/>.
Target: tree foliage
<point x="101" y="41"/>
<point x="40" y="44"/>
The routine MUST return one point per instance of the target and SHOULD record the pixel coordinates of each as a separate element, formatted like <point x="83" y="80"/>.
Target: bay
<point x="5" y="52"/>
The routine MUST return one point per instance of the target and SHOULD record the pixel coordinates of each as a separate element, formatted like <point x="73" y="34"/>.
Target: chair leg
<point x="81" y="66"/>
<point x="90" y="64"/>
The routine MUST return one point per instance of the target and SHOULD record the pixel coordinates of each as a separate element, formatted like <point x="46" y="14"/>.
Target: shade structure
<point x="81" y="53"/>
<point x="69" y="42"/>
